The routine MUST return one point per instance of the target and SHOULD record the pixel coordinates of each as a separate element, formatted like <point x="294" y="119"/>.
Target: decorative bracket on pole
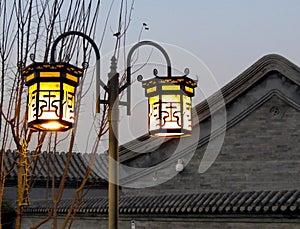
<point x="128" y="70"/>
<point x="99" y="82"/>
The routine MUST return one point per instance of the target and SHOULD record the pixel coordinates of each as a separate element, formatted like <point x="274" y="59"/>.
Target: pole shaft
<point x="113" y="159"/>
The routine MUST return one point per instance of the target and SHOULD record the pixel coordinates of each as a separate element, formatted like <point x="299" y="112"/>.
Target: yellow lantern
<point x="170" y="105"/>
<point x="51" y="95"/>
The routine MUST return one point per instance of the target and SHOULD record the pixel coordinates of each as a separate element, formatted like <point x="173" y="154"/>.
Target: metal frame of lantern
<point x="51" y="95"/>
<point x="169" y="104"/>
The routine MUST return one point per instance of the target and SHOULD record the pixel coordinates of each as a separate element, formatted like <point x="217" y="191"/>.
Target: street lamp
<point x="51" y="101"/>
<point x="169" y="98"/>
<point x="51" y="95"/>
<point x="169" y="105"/>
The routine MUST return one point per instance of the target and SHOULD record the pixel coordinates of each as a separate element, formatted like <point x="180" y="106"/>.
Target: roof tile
<point x="255" y="202"/>
<point x="49" y="164"/>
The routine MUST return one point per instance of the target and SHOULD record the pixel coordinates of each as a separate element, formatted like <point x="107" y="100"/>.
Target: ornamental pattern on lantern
<point x="49" y="102"/>
<point x="168" y="115"/>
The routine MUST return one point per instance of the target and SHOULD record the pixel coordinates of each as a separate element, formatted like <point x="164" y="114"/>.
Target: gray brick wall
<point x="174" y="223"/>
<point x="261" y="152"/>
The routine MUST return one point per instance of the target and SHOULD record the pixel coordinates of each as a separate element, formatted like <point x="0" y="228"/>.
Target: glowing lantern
<point x="51" y="95"/>
<point x="170" y="105"/>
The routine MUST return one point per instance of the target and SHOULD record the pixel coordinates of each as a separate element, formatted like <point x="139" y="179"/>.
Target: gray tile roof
<point x="47" y="165"/>
<point x="256" y="202"/>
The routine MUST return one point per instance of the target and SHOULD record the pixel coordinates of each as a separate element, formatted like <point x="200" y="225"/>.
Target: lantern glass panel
<point x="171" y="112"/>
<point x="154" y="122"/>
<point x="49" y="101"/>
<point x="68" y="103"/>
<point x="171" y="87"/>
<point x="32" y="98"/>
<point x="187" y="112"/>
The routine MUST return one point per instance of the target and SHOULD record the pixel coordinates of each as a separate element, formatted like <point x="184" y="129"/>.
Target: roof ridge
<point x="258" y="70"/>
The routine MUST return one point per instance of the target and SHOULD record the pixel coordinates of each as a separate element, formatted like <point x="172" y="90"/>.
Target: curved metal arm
<point x="151" y="43"/>
<point x="99" y="82"/>
<point x="78" y="33"/>
<point x="131" y="51"/>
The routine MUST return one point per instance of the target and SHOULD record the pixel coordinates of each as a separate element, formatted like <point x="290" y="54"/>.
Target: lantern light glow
<point x="51" y="95"/>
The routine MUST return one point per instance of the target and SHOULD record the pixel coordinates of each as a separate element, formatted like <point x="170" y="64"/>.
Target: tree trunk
<point x="20" y="194"/>
<point x="1" y="196"/>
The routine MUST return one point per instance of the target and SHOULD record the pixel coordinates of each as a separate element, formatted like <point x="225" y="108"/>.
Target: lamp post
<point x="51" y="108"/>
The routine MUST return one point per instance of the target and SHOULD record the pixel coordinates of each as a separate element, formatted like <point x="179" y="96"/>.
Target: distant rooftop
<point x="47" y="164"/>
<point x="201" y="204"/>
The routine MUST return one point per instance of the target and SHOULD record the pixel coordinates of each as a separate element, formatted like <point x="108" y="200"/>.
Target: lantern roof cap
<point x="39" y="66"/>
<point x="178" y="80"/>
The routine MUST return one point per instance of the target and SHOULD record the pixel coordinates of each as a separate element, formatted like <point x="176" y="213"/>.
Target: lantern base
<point x="55" y="125"/>
<point x="170" y="133"/>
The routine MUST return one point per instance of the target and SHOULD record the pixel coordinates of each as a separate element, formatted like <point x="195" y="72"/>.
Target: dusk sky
<point x="225" y="37"/>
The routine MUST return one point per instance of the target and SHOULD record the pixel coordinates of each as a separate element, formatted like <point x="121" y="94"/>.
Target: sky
<point x="216" y="39"/>
<point x="227" y="35"/>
